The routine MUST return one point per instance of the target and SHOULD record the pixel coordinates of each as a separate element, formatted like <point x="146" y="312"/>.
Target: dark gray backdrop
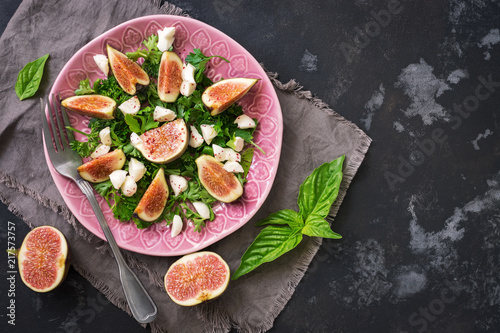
<point x="420" y="220"/>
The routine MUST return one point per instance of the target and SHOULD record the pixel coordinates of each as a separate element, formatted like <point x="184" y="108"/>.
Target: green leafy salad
<point x="189" y="108"/>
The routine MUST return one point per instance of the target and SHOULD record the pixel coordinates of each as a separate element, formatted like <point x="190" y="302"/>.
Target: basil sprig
<point x="29" y="78"/>
<point x="286" y="228"/>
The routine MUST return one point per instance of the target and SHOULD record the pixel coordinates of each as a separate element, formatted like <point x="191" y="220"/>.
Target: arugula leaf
<point x="150" y="54"/>
<point x="193" y="216"/>
<point x="84" y="88"/>
<point x="106" y="190"/>
<point x="110" y="87"/>
<point x="199" y="61"/>
<point x="149" y="51"/>
<point x="85" y="148"/>
<point x="246" y="161"/>
<point x="246" y="135"/>
<point x="152" y="95"/>
<point x="140" y="224"/>
<point x="29" y="78"/>
<point x="133" y="123"/>
<point x="285" y="228"/>
<point x="123" y="208"/>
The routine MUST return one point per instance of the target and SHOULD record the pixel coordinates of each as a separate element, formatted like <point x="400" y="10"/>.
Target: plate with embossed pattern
<point x="261" y="103"/>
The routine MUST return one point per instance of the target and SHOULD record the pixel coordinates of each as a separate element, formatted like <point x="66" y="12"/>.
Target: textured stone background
<point x="421" y="219"/>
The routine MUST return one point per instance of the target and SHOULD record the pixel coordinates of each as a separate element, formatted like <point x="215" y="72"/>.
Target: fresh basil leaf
<point x="283" y="217"/>
<point x="29" y="78"/>
<point x="320" y="189"/>
<point x="316" y="226"/>
<point x="271" y="243"/>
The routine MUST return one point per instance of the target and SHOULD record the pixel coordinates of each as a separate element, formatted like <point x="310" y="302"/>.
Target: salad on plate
<point x="164" y="143"/>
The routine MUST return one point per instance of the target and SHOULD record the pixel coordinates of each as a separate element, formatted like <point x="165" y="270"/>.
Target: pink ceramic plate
<point x="261" y="103"/>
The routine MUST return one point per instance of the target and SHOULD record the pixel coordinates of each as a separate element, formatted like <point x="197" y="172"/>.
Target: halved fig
<point x="196" y="278"/>
<point x="165" y="143"/>
<point x="99" y="169"/>
<point x="221" y="184"/>
<point x="42" y="259"/>
<point x="126" y="72"/>
<point x="221" y="95"/>
<point x="95" y="106"/>
<point x="169" y="77"/>
<point x="154" y="199"/>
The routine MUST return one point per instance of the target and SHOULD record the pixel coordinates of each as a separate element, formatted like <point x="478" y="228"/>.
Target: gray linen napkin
<point x="250" y="303"/>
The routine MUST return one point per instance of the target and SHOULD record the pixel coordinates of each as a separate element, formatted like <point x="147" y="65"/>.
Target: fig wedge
<point x="221" y="184"/>
<point x="221" y="95"/>
<point x="169" y="77"/>
<point x="165" y="143"/>
<point x="95" y="106"/>
<point x="99" y="169"/>
<point x="154" y="199"/>
<point x="126" y="72"/>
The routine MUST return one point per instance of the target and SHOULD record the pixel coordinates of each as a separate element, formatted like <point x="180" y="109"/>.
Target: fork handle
<point x="142" y="306"/>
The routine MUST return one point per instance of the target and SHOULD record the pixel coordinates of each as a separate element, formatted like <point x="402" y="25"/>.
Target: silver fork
<point x="66" y="161"/>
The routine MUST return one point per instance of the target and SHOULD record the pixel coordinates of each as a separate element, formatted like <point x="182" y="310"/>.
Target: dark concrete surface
<point x="420" y="223"/>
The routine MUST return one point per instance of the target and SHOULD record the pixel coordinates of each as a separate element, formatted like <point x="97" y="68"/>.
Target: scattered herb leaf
<point x="285" y="228"/>
<point x="199" y="61"/>
<point x="84" y="88"/>
<point x="29" y="78"/>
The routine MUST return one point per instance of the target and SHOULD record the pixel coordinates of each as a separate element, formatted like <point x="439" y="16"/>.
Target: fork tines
<point x="58" y="121"/>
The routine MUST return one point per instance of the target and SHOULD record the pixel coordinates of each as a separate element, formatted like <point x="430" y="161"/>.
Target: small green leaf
<point x="320" y="189"/>
<point x="199" y="61"/>
<point x="271" y="243"/>
<point x="29" y="78"/>
<point x="133" y="123"/>
<point x="246" y="161"/>
<point x="248" y="137"/>
<point x="284" y="217"/>
<point x="316" y="226"/>
<point x="84" y="88"/>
